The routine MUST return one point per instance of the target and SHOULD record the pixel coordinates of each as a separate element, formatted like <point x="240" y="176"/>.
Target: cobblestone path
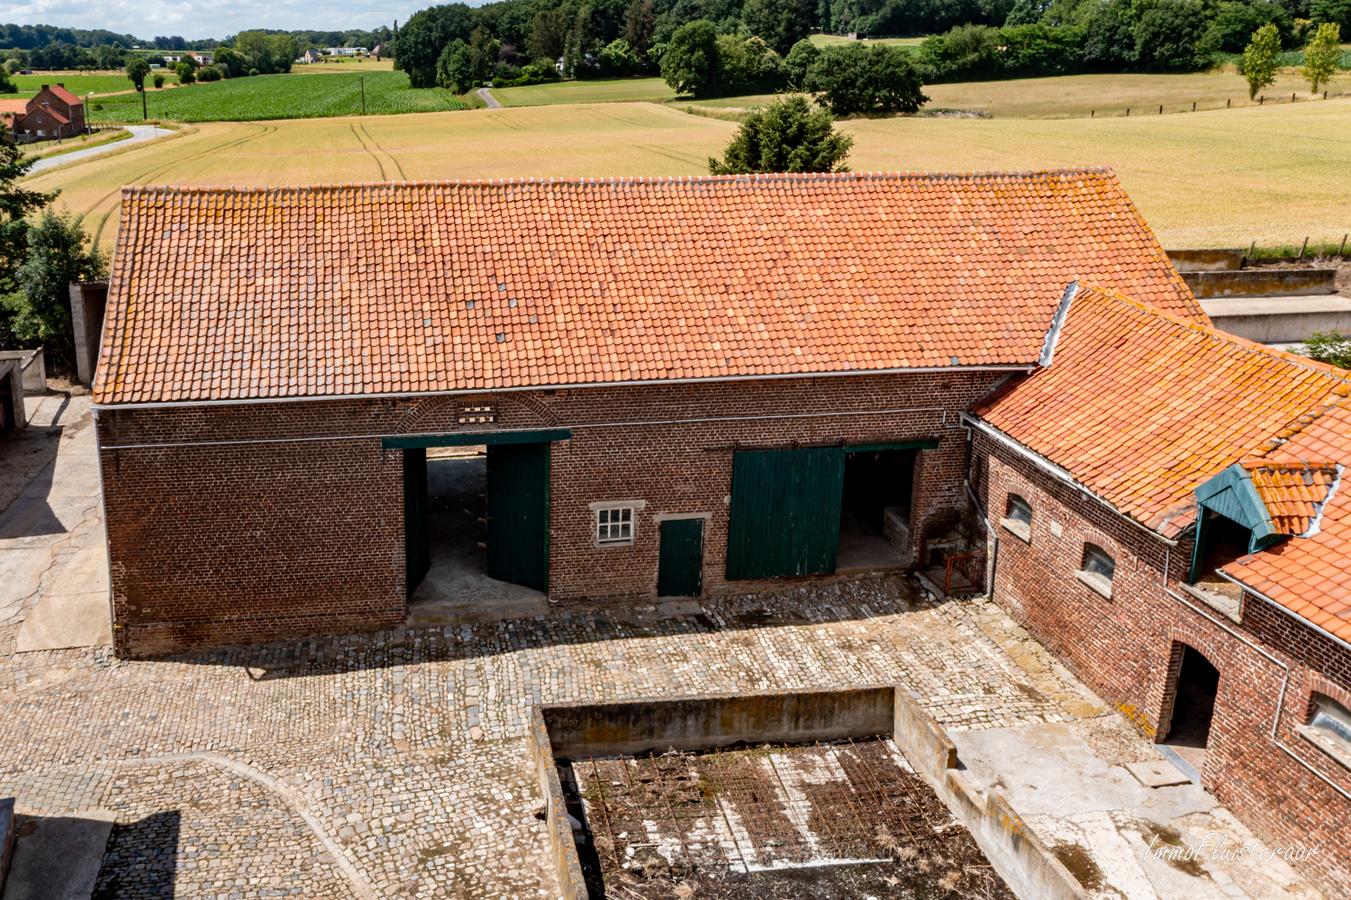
<point x="394" y="764"/>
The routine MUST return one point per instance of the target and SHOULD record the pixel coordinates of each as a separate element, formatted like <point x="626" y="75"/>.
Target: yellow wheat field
<point x="1270" y="175"/>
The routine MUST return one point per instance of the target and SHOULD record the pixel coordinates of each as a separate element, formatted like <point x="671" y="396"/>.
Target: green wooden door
<point x="680" y="561"/>
<point x="417" y="551"/>
<point x="785" y="513"/>
<point x="518" y="514"/>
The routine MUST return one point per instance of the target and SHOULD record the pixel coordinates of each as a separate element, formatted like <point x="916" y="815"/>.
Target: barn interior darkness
<point x="1225" y="541"/>
<point x="875" y="481"/>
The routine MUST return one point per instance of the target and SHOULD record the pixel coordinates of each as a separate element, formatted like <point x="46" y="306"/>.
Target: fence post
<point x="1160" y="109"/>
<point x="1262" y="99"/>
<point x="1128" y="112"/>
<point x="1193" y="106"/>
<point x="1342" y="249"/>
<point x="1292" y="96"/>
<point x="1302" y="249"/>
<point x="1228" y="104"/>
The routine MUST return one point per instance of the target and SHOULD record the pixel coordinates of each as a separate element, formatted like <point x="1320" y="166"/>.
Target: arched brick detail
<point x="514" y="410"/>
<point x="1317" y="684"/>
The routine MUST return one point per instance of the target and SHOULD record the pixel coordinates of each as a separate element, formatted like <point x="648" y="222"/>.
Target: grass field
<point x="350" y="65"/>
<point x="1271" y="175"/>
<point x="106" y="83"/>
<point x="622" y="89"/>
<point x="824" y="40"/>
<point x="266" y="97"/>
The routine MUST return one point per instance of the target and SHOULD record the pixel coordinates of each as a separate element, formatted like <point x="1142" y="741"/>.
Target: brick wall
<point x="1129" y="648"/>
<point x="241" y="523"/>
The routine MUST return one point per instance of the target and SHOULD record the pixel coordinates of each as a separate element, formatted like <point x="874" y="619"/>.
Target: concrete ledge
<point x="1262" y="283"/>
<point x="1274" y="320"/>
<point x="1018" y="855"/>
<point x="703" y="722"/>
<point x="571" y="883"/>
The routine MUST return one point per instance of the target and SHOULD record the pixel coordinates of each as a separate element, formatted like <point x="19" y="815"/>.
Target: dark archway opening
<point x="1198" y="683"/>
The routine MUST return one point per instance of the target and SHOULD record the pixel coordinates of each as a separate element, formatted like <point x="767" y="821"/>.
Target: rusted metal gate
<point x="785" y="512"/>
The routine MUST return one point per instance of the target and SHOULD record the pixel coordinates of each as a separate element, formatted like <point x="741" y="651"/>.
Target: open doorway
<point x="485" y="536"/>
<point x="1198" y="683"/>
<point x="877" y="485"/>
<point x="1220" y="541"/>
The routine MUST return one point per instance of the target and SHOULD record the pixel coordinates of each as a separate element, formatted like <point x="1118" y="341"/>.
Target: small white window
<point x="614" y="525"/>
<point x="1331" y="721"/>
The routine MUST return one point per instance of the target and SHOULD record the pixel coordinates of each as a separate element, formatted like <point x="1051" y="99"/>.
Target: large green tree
<point x="780" y="23"/>
<point x="870" y="81"/>
<point x="691" y="64"/>
<point x="16" y="204"/>
<point x="639" y="21"/>
<point x="786" y="136"/>
<point x="56" y="258"/>
<point x="548" y="36"/>
<point x="137" y="69"/>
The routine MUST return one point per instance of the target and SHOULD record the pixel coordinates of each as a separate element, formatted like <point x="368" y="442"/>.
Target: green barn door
<point x="418" y="557"/>
<point x="785" y="513"/>
<point x="518" y="514"/>
<point x="680" y="561"/>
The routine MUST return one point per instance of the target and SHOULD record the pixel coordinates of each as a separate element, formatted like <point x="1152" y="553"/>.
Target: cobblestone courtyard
<point x="395" y="764"/>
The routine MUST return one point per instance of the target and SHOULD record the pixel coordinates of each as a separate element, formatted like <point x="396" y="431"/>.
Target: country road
<point x="139" y="133"/>
<point x="489" y="99"/>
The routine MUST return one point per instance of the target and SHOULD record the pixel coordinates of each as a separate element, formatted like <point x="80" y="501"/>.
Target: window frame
<point x="1099" y="582"/>
<point x="602" y="523"/>
<point x="1016" y="525"/>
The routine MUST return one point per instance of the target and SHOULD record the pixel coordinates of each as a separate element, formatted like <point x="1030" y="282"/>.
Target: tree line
<point x="519" y="41"/>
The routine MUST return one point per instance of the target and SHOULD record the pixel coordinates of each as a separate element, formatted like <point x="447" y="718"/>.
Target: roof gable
<point x="1143" y="408"/>
<point x="406" y="288"/>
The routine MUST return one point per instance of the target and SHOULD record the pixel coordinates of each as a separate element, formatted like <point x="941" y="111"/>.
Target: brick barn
<point x="1169" y="514"/>
<point x="318" y="405"/>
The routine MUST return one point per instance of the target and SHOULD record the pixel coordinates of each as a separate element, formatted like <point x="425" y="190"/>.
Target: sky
<point x="197" y="19"/>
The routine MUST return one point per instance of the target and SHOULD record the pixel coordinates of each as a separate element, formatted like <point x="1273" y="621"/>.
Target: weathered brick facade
<point x="237" y="523"/>
<point x="1128" y="648"/>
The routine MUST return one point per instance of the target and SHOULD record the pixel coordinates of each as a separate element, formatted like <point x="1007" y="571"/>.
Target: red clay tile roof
<point x="1292" y="491"/>
<point x="1311" y="576"/>
<point x="13" y="107"/>
<point x="65" y="95"/>
<point x="1141" y="407"/>
<point x="406" y="288"/>
<point x="48" y="111"/>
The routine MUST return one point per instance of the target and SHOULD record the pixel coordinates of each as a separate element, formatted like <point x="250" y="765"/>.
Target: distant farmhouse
<point x="323" y="409"/>
<point x="312" y="56"/>
<point x="54" y="113"/>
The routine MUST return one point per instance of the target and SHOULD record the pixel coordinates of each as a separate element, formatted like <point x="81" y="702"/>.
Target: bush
<point x="253" y="72"/>
<point x="799" y="62"/>
<point x="870" y="81"/>
<point x="1320" y="57"/>
<point x="208" y="73"/>
<point x="786" y="136"/>
<point x="185" y="73"/>
<point x="1331" y="347"/>
<point x="159" y="80"/>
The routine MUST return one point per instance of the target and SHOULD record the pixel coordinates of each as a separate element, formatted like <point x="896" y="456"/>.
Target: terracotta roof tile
<point x="65" y="95"/>
<point x="418" y="287"/>
<point x="1311" y="576"/>
<point x="1293" y="492"/>
<point x="1142" y="407"/>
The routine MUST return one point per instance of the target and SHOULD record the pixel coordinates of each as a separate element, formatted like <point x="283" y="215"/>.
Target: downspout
<point x="994" y="538"/>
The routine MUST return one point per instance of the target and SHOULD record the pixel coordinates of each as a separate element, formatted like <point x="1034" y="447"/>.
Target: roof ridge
<point x="799" y="177"/>
<point x="1223" y="337"/>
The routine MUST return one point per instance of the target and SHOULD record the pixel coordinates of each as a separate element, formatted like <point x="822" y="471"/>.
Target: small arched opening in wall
<point x="1189" y="704"/>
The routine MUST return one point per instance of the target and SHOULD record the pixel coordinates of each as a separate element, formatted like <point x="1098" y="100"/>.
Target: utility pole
<point x="363" y="94"/>
<point x="143" y="113"/>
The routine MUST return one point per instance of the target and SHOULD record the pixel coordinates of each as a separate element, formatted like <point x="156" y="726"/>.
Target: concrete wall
<point x="87" y="305"/>
<point x="32" y="368"/>
<point x="232" y="524"/>
<point x="11" y="379"/>
<point x="1206" y="260"/>
<point x="1128" y="648"/>
<point x="1262" y="282"/>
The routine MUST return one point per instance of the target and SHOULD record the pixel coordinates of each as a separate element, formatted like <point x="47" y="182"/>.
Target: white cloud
<point x="195" y="19"/>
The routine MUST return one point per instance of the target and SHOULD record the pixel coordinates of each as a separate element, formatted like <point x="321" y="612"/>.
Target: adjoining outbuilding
<point x="681" y="387"/>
